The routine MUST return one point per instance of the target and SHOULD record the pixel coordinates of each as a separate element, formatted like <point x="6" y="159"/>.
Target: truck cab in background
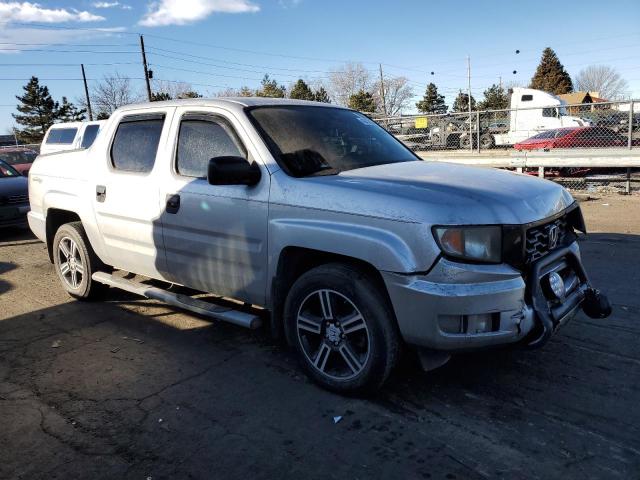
<point x="70" y="136"/>
<point x="532" y="112"/>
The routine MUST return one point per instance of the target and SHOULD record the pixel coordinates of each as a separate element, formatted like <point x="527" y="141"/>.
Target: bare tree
<point x="111" y="93"/>
<point x="397" y="94"/>
<point x="235" y="92"/>
<point x="173" y="89"/>
<point x="348" y="80"/>
<point x="602" y="79"/>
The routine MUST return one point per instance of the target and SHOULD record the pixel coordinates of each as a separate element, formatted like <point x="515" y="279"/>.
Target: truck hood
<point x="441" y="193"/>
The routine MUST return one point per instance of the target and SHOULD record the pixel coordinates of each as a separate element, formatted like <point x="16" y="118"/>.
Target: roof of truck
<point x="228" y="101"/>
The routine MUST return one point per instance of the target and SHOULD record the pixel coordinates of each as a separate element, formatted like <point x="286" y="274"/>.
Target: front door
<point x="215" y="236"/>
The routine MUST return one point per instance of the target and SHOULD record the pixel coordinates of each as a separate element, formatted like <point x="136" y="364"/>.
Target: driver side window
<point x="202" y="138"/>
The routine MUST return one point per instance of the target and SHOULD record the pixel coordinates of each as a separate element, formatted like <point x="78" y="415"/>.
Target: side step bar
<point x="207" y="309"/>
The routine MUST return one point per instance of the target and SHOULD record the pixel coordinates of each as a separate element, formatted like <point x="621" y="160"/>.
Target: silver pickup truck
<point x="351" y="246"/>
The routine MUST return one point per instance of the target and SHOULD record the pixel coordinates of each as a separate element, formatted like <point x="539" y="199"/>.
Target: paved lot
<point x="129" y="389"/>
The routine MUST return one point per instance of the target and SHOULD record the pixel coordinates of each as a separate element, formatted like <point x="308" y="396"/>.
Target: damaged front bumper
<point x="459" y="306"/>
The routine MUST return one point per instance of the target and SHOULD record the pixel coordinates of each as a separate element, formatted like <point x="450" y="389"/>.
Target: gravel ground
<point x="127" y="388"/>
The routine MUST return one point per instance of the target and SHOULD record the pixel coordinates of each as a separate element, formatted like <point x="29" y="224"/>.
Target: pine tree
<point x="38" y="112"/>
<point x="301" y="91"/>
<point x="270" y="88"/>
<point x="461" y="103"/>
<point x="245" y="92"/>
<point x="495" y="98"/>
<point x="68" y="112"/>
<point x="362" y="102"/>
<point x="432" y="101"/>
<point x="550" y="75"/>
<point x="321" y="95"/>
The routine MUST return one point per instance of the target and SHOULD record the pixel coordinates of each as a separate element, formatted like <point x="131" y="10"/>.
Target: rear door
<point x="127" y="191"/>
<point x="215" y="236"/>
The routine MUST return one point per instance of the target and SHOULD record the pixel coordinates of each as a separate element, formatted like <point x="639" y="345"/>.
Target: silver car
<point x="355" y="247"/>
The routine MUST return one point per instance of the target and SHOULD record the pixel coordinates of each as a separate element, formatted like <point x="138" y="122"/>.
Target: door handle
<point x="101" y="193"/>
<point x="173" y="203"/>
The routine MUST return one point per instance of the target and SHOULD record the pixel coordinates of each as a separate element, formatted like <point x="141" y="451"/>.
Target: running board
<point x="225" y="314"/>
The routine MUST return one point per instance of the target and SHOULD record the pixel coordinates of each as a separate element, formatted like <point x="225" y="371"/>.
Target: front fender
<point x="386" y="245"/>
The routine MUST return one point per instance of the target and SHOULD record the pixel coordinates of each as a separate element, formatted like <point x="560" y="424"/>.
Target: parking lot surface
<point x="128" y="388"/>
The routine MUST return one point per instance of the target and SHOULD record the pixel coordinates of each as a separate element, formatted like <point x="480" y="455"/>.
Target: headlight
<point x="478" y="244"/>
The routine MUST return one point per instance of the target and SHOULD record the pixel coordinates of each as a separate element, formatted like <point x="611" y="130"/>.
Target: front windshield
<point x="308" y="140"/>
<point x="17" y="158"/>
<point x="7" y="171"/>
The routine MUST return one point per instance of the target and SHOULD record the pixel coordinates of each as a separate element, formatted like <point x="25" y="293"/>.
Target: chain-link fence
<point x="586" y="125"/>
<point x="603" y="127"/>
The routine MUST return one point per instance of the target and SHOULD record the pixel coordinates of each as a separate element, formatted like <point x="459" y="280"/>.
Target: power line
<point x="117" y="30"/>
<point x="205" y="73"/>
<point x="156" y="49"/>
<point x="70" y="44"/>
<point x="47" y="50"/>
<point x="63" y="64"/>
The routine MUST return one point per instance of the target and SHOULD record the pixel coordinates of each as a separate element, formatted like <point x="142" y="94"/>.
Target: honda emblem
<point x="554" y="236"/>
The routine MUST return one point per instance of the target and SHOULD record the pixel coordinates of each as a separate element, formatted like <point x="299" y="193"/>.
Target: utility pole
<point x="500" y="81"/>
<point x="384" y="102"/>
<point x="86" y="93"/>
<point x="146" y="68"/>
<point x="469" y="100"/>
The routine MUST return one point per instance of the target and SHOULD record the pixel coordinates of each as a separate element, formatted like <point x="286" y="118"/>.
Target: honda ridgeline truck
<point x="353" y="246"/>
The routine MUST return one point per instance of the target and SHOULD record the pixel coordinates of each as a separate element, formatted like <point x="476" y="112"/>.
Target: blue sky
<point x="241" y="40"/>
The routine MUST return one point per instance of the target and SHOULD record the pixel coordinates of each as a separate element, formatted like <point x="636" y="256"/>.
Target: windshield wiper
<point x="324" y="171"/>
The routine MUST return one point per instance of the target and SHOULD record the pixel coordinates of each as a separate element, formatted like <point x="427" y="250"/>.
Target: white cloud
<point x="123" y="6"/>
<point x="12" y="39"/>
<point x="181" y="12"/>
<point x="34" y="12"/>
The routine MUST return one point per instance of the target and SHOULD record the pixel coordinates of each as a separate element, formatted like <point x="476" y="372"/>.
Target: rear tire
<point x="341" y="324"/>
<point x="75" y="262"/>
<point x="487" y="141"/>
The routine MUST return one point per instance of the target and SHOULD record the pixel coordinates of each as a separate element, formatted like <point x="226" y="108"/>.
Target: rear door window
<point x="135" y="144"/>
<point x="62" y="136"/>
<point x="90" y="134"/>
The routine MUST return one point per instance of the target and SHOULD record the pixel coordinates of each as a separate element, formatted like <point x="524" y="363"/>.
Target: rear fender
<point x="76" y="204"/>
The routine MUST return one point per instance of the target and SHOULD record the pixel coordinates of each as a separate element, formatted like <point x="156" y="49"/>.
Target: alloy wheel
<point x="71" y="267"/>
<point x="333" y="334"/>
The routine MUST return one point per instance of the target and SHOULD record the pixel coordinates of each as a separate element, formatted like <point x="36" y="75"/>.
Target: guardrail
<point x="601" y="162"/>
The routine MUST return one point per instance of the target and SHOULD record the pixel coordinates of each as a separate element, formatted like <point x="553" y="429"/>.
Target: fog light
<point x="556" y="284"/>
<point x="479" y="323"/>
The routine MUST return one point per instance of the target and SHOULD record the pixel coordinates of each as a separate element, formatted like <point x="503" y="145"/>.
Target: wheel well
<point x="294" y="262"/>
<point x="55" y="219"/>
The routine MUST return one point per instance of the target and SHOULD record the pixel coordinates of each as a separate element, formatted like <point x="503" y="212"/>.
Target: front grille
<point x="16" y="199"/>
<point x="539" y="240"/>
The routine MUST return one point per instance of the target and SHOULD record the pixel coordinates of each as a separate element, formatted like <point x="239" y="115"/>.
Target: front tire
<point x="343" y="328"/>
<point x="75" y="262"/>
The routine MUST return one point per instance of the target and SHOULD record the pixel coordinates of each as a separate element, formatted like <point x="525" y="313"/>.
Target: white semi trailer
<point x="531" y="112"/>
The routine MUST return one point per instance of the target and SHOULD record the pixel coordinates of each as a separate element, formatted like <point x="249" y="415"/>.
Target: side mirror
<point x="233" y="171"/>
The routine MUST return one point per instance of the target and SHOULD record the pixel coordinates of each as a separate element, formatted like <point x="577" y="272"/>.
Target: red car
<point x="20" y="158"/>
<point x="573" y="137"/>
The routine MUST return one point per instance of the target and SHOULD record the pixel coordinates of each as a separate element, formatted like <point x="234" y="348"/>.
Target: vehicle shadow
<point x="13" y="236"/>
<point x="4" y="268"/>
